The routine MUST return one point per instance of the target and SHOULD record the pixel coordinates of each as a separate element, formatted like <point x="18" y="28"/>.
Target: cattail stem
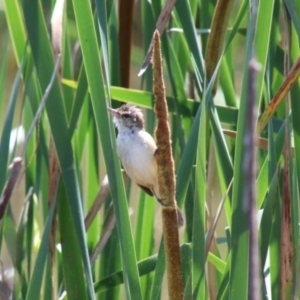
<point x="215" y="43"/>
<point x="166" y="177"/>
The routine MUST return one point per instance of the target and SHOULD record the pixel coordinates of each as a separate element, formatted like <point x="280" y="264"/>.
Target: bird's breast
<point x="136" y="152"/>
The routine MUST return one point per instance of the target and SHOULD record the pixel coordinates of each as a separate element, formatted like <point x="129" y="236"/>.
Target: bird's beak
<point x="114" y="112"/>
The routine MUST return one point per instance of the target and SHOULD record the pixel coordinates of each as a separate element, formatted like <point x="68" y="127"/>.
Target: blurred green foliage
<point x="131" y="261"/>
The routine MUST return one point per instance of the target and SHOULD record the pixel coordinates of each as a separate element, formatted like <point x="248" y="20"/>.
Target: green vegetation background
<point x="75" y="119"/>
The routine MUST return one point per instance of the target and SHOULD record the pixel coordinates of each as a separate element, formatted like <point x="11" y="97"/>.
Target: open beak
<point x="114" y="112"/>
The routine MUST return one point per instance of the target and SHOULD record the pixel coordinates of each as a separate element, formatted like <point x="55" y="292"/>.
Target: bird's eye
<point x="126" y="116"/>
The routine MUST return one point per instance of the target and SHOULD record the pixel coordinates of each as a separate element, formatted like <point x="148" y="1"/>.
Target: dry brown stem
<point x="166" y="177"/>
<point x="10" y="184"/>
<point x="215" y="43"/>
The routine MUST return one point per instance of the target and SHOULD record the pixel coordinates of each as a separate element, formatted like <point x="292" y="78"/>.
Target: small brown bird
<point x="135" y="148"/>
